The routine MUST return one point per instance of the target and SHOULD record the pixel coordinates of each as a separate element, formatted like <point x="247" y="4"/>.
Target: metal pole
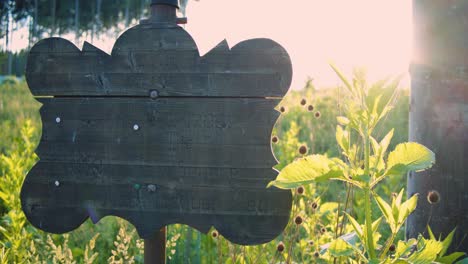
<point x="155" y="248"/>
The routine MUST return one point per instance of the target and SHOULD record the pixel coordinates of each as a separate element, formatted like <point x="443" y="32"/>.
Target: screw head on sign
<point x="154" y="94"/>
<point x="151" y="188"/>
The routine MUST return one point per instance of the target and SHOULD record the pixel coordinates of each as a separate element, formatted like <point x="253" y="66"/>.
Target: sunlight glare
<point x="368" y="33"/>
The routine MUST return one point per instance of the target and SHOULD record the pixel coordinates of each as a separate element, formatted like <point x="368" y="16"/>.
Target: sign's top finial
<point x="166" y="2"/>
<point x="164" y="12"/>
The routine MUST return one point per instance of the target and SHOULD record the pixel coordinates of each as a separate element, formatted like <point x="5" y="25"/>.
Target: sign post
<point x="156" y="134"/>
<point x="155" y="248"/>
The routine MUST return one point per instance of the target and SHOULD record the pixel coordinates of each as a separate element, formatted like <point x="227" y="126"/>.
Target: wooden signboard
<point x="157" y="135"/>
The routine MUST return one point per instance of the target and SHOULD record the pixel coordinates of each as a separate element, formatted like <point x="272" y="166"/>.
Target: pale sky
<point x="375" y="34"/>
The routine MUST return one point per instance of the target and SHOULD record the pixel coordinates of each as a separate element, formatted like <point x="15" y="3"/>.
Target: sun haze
<point x="375" y="34"/>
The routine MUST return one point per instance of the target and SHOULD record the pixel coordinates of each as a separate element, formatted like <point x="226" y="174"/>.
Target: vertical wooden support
<point x="155" y="248"/>
<point x="438" y="118"/>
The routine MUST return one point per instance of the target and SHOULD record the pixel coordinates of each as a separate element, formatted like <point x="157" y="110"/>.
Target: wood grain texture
<point x="198" y="154"/>
<point x="168" y="61"/>
<point x="439" y="118"/>
<point x="185" y="131"/>
<point x="181" y="196"/>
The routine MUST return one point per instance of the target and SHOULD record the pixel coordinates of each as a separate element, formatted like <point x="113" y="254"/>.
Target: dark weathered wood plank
<point x="179" y="121"/>
<point x="216" y="132"/>
<point x="237" y="111"/>
<point x="100" y="190"/>
<point x="121" y="132"/>
<point x="162" y="155"/>
<point x="168" y="60"/>
<point x="167" y="84"/>
<point x="183" y="177"/>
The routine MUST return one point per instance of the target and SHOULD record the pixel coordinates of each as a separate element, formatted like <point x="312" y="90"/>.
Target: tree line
<point x="44" y="18"/>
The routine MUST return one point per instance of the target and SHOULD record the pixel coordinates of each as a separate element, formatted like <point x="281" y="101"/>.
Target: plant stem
<point x="343" y="221"/>
<point x="366" y="152"/>
<point x="368" y="213"/>
<point x="367" y="196"/>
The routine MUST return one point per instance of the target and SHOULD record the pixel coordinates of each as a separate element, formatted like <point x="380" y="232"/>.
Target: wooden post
<point x="438" y="118"/>
<point x="155" y="248"/>
<point x="161" y="11"/>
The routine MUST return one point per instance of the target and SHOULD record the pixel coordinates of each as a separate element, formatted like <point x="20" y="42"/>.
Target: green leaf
<point x="377" y="165"/>
<point x="339" y="248"/>
<point x="357" y="227"/>
<point x="342" y="120"/>
<point x="386" y="91"/>
<point x="342" y="77"/>
<point x="463" y="261"/>
<point x="410" y="156"/>
<point x="386" y="211"/>
<point x="398" y="198"/>
<point x="407" y="208"/>
<point x="431" y="234"/>
<point x="427" y="254"/>
<point x="447" y="241"/>
<point x="396" y="206"/>
<point x="385" y="142"/>
<point x="404" y="248"/>
<point x="342" y="138"/>
<point x="313" y="168"/>
<point x="376" y="224"/>
<point x="375" y="145"/>
<point x="451" y="258"/>
<point x="395" y="170"/>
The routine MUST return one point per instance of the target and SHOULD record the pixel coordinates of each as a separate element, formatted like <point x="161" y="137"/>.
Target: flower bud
<point x="298" y="220"/>
<point x="280" y="247"/>
<point x="433" y="197"/>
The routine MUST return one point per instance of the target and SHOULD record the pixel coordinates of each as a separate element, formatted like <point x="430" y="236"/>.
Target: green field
<point x="115" y="241"/>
